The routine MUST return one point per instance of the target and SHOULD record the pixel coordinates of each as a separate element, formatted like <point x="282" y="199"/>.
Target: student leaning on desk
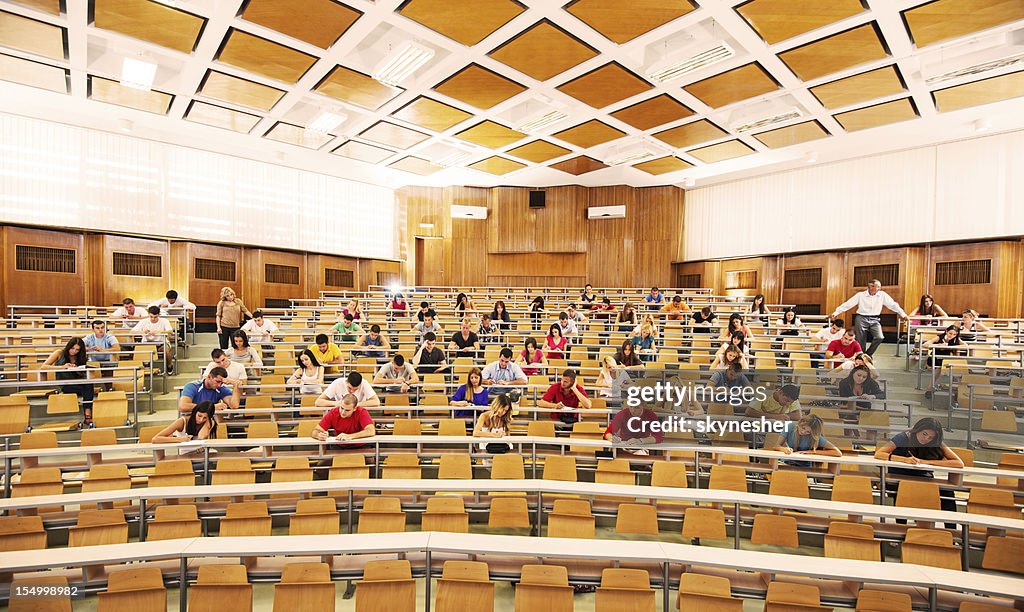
<point x="200" y="424"/>
<point x="348" y="419"/>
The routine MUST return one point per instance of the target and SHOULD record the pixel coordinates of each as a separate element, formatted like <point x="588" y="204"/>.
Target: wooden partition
<point x="985" y="277"/>
<point x="43" y="267"/>
<point x="814" y="282"/>
<point x="124" y="266"/>
<point x="271" y="277"/>
<point x="330" y="273"/>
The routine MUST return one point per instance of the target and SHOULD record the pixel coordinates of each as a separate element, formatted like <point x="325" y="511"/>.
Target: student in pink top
<point x="530" y="355"/>
<point x="555" y="343"/>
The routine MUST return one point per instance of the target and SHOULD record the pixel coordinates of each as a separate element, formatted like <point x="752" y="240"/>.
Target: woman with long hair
<point x="398" y="306"/>
<point x="471" y="393"/>
<point x="758" y="312"/>
<point x="201" y="424"/>
<point x="353" y="308"/>
<point x="970" y="325"/>
<point x="612" y="378"/>
<point x="943" y="346"/>
<point x="727" y="356"/>
<point x="464" y="305"/>
<point x="736" y="324"/>
<point x="241" y="351"/>
<point x="529" y="356"/>
<point x="536" y="311"/>
<point x="804" y="438"/>
<point x="927" y="310"/>
<point x="229" y="315"/>
<point x="69" y="364"/>
<point x="496" y="422"/>
<point x="309" y="376"/>
<point x="500" y="314"/>
<point x="627" y="357"/>
<point x="626" y="320"/>
<point x="921" y="445"/>
<point x="860" y="384"/>
<point x="555" y="343"/>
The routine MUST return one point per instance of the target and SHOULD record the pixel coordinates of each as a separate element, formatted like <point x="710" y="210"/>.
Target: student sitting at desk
<point x="804" y="438"/>
<point x="70" y="365"/>
<point x="325" y="351"/>
<point x="631" y="427"/>
<point x="347" y="419"/>
<point x="353" y="384"/>
<point x="566" y="396"/>
<point x="472" y="393"/>
<point x="200" y="424"/>
<point x="309" y="376"/>
<point x="210" y="388"/>
<point x="496" y="423"/>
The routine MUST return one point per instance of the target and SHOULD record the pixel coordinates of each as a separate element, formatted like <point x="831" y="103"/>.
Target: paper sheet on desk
<point x="190" y="447"/>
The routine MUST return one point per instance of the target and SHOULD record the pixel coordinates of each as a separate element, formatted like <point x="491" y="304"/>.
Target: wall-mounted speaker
<point x="538" y="199"/>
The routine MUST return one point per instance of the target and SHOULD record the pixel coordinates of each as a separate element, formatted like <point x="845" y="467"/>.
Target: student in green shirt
<point x="349" y="329"/>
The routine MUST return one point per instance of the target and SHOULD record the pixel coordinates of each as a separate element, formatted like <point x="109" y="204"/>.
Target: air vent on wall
<point x="606" y="212"/>
<point x="334" y="277"/>
<point x="136" y="264"/>
<point x="802" y="278"/>
<point x="689" y="281"/>
<point x="44" y="259"/>
<point x="469" y="212"/>
<point x="975" y="57"/>
<point x="973" y="272"/>
<point x="887" y="274"/>
<point x="215" y="270"/>
<point x="282" y="275"/>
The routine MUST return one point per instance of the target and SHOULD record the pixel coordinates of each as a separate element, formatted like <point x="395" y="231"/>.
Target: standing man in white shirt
<point x="155" y="329"/>
<point x="869" y="305"/>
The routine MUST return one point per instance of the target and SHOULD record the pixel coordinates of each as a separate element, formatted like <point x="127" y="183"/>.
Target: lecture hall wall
<point x="552" y="246"/>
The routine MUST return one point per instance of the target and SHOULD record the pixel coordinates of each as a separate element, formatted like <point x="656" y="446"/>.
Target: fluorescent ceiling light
<point x="456" y="158"/>
<point x="538" y="122"/>
<point x="634" y="153"/>
<point x="689" y="59"/>
<point x="402" y="62"/>
<point x="325" y="122"/>
<point x="137" y="74"/>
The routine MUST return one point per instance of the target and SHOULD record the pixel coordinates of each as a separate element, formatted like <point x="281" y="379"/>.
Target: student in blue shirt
<point x="211" y="388"/>
<point x="99" y="344"/>
<point x="654" y="299"/>
<point x="472" y="393"/>
<point x="804" y="438"/>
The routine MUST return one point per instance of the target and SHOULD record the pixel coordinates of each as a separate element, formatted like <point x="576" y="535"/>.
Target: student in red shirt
<point x="565" y="395"/>
<point x="622" y="431"/>
<point x="846" y="346"/>
<point x="348" y="420"/>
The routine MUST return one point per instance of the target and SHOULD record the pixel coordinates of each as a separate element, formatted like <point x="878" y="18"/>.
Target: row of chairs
<point x="109" y="409"/>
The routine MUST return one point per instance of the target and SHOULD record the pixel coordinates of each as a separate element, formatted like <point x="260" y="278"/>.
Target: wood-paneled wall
<point x="93" y="280"/>
<point x="635" y="251"/>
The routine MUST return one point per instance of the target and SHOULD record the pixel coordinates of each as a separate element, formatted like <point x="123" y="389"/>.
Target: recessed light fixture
<point x="402" y="62"/>
<point x="690" y="58"/>
<point x="125" y="125"/>
<point x="811" y="157"/>
<point x="325" y="122"/>
<point x="982" y="125"/>
<point x="137" y="74"/>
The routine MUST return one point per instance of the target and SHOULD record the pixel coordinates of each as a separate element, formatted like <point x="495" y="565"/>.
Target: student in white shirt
<point x="236" y="373"/>
<point x="835" y="330"/>
<point x="397" y="374"/>
<point x="173" y="305"/>
<point x="260" y="331"/>
<point x="567" y="326"/>
<point x="129" y="313"/>
<point x="155" y="329"/>
<point x="354" y="384"/>
<point x="869" y="305"/>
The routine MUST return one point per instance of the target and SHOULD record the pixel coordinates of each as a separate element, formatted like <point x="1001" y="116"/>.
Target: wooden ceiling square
<point x="297" y="135"/>
<point x="778" y="20"/>
<point x="47" y="6"/>
<point x="465" y="22"/>
<point x="490" y="134"/>
<point x="579" y="165"/>
<point x="977" y="93"/>
<point x="945" y="19"/>
<point x="538" y="151"/>
<point x="880" y="114"/>
<point x="431" y="114"/>
<point x="218" y="116"/>
<point x="259" y="55"/>
<point x="479" y="87"/>
<point x="33" y="74"/>
<point x="663" y="165"/>
<point x="242" y="92"/>
<point x="656" y="111"/>
<point x="732" y="86"/>
<point x="837" y="52"/>
<point x="859" y="88"/>
<point x="416" y="165"/>
<point x="691" y="134"/>
<point x="589" y="134"/>
<point x="363" y="152"/>
<point x="497" y="165"/>
<point x="623" y="21"/>
<point x="31" y="36"/>
<point x="730" y="149"/>
<point x="543" y="51"/>
<point x="792" y="134"/>
<point x="356" y="88"/>
<point x="150" y="21"/>
<point x="605" y="85"/>
<point x="393" y="135"/>
<point x="319" y="23"/>
<point x="113" y="92"/>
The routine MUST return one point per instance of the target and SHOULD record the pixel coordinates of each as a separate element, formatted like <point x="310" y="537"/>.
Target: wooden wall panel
<point x="511" y="221"/>
<point x="254" y="277"/>
<point x="32" y="287"/>
<point x="998" y="298"/>
<point x="111" y="288"/>
<point x="561" y="225"/>
<point x="316" y="266"/>
<point x="655" y="225"/>
<point x="467" y="256"/>
<point x="421" y="206"/>
<point x="610" y="253"/>
<point x="202" y="292"/>
<point x="736" y="266"/>
<point x="378" y="271"/>
<point x="832" y="291"/>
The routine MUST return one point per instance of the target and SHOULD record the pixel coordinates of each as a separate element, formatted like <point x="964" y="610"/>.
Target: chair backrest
<point x="871" y="600"/>
<point x="61" y="403"/>
<point x="39" y="481"/>
<point x="508" y="512"/>
<point x="451" y="427"/>
<point x="703" y="522"/>
<point x="246" y="519"/>
<point x="33" y="603"/>
<point x="668" y="474"/>
<point x="853" y="489"/>
<point x="931" y="547"/>
<point x="916" y="494"/>
<point x="99" y="437"/>
<point x="14" y="417"/>
<point x="544" y="587"/>
<point x="381" y="515"/>
<point x="146" y="433"/>
<point x="172" y="473"/>
<point x="304" y="586"/>
<point x="386" y="585"/>
<point x="775" y="529"/>
<point x="508" y="466"/>
<point x="789" y="483"/>
<point x="36" y="440"/>
<point x="221" y="587"/>
<point x="22" y="533"/>
<point x="729" y="478"/>
<point x="315" y="516"/>
<point x="176" y="512"/>
<point x="793" y="594"/>
<point x="407" y="427"/>
<point x="445" y="513"/>
<point x="140" y="589"/>
<point x="110" y="410"/>
<point x="560" y="467"/>
<point x="455" y="467"/>
<point x="541" y="429"/>
<point x="571" y="518"/>
<point x="637" y="518"/>
<point x="261" y="429"/>
<point x="1002" y="553"/>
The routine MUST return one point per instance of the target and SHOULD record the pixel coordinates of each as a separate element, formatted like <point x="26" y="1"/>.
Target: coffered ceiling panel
<point x="589" y="134"/>
<point x="732" y="86"/>
<point x="259" y="55"/>
<point x="416" y="165"/>
<point x="394" y="135"/>
<point x="319" y="22"/>
<point x="946" y="19"/>
<point x="47" y="6"/>
<point x="31" y="36"/>
<point x="538" y="151"/>
<point x="113" y="92"/>
<point x="605" y="85"/>
<point x="691" y="134"/>
<point x="465" y="22"/>
<point x="859" y="88"/>
<point x="792" y="134"/>
<point x="479" y="87"/>
<point x="431" y="114"/>
<point x="296" y="135"/>
<point x="363" y="152"/>
<point x="579" y="165"/>
<point x="623" y="21"/>
<point x="778" y="20"/>
<point x="722" y="151"/>
<point x="543" y="51"/>
<point x="497" y="165"/>
<point x="656" y="111"/>
<point x="663" y="165"/>
<point x="490" y="134"/>
<point x="987" y="91"/>
<point x="356" y="88"/>
<point x="880" y="114"/>
<point x="218" y="116"/>
<point x="150" y="21"/>
<point x="33" y="74"/>
<point x="837" y="52"/>
<point x="227" y="88"/>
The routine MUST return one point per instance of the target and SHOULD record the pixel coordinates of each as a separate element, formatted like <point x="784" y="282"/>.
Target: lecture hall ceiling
<point x="801" y="80"/>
